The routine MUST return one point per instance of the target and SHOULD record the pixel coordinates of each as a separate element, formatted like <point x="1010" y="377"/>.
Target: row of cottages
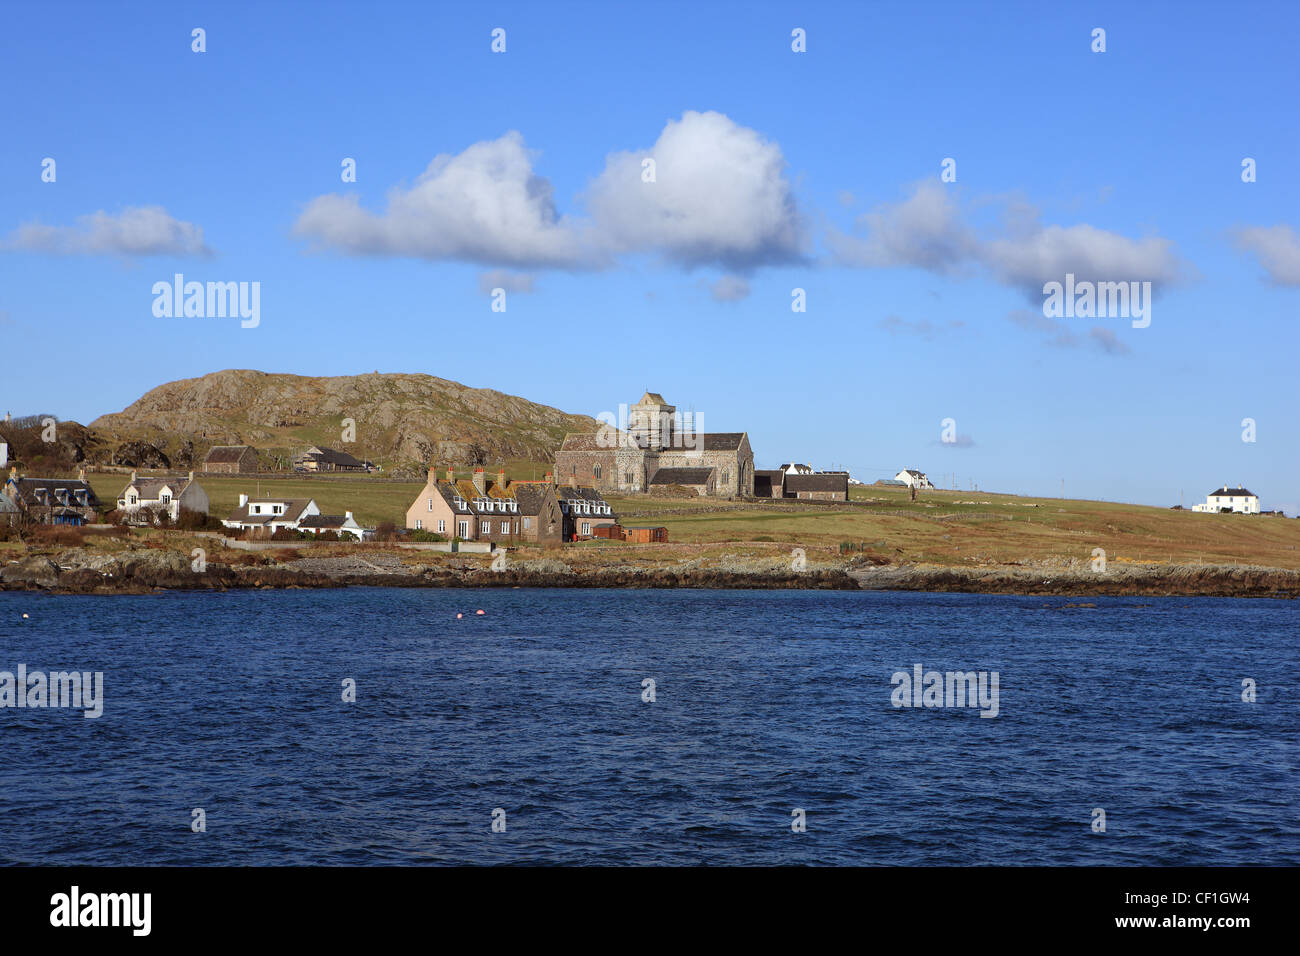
<point x="913" y="479"/>
<point x="63" y="501"/>
<point x="230" y="460"/>
<point x="814" y="486"/>
<point x="162" y="496"/>
<point x="1237" y="500"/>
<point x="501" y="511"/>
<point x="265" y="516"/>
<point x="318" y="459"/>
<point x="617" y="461"/>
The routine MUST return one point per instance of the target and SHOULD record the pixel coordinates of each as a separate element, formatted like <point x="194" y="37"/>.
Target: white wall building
<point x="1237" y="500"/>
<point x="163" y="495"/>
<point x="913" y="478"/>
<point x="271" y="514"/>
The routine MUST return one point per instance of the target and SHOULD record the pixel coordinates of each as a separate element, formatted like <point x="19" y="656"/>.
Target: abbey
<point x="658" y="452"/>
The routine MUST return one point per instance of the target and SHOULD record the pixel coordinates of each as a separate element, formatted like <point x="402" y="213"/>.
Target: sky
<point x="774" y="170"/>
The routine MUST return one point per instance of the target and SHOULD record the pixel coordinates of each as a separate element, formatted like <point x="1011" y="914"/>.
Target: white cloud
<point x="924" y="231"/>
<point x="720" y="197"/>
<point x="1048" y="253"/>
<point x="135" y="231"/>
<point x="484" y="205"/>
<point x="928" y="230"/>
<point x="1276" y="247"/>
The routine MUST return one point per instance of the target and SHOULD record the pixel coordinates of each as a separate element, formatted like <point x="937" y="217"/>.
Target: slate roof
<point x="712" y="441"/>
<point x="1226" y="492"/>
<point x="293" y="509"/>
<point x="149" y="488"/>
<point x="329" y="456"/>
<point x="27" y="487"/>
<point x="823" y="482"/>
<point x="326" y="522"/>
<point x="226" y="454"/>
<point x="681" y="476"/>
<point x="565" y="493"/>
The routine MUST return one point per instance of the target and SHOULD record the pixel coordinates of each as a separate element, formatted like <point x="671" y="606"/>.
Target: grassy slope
<point x="979" y="528"/>
<point x="941" y="527"/>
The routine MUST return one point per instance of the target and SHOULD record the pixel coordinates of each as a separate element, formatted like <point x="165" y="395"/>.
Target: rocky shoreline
<point x="143" y="571"/>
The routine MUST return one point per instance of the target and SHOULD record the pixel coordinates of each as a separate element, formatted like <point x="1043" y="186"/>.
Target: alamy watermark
<point x="922" y="688"/>
<point x="212" y="300"/>
<point x="1090" y="300"/>
<point x="79" y="689"/>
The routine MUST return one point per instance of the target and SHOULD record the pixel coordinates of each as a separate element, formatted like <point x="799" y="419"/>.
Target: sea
<point x="374" y="726"/>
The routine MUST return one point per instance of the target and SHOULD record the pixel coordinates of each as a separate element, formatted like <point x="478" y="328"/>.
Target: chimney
<point x="549" y="479"/>
<point x="451" y="476"/>
<point x="573" y="481"/>
<point x="243" y="500"/>
<point x="501" y="478"/>
<point x="433" y="474"/>
<point x="480" y="481"/>
<point x="133" y="477"/>
<point x="347" y="514"/>
<point x="191" y="474"/>
<point x="81" y="473"/>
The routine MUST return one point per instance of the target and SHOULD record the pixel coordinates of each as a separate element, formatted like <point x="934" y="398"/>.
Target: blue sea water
<point x="766" y="702"/>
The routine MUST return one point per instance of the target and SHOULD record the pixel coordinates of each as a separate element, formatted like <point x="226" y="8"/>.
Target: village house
<point x="63" y="501"/>
<point x="913" y="478"/>
<point x="820" y="486"/>
<point x="157" y="496"/>
<point x="317" y="458"/>
<point x="8" y="510"/>
<point x="796" y="468"/>
<point x="266" y="516"/>
<point x="585" y="512"/>
<point x="1236" y="500"/>
<point x="613" y="461"/>
<point x="344" y="526"/>
<point x="476" y="509"/>
<point x="230" y="460"/>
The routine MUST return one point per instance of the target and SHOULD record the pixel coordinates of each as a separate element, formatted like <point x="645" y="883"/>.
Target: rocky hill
<point x="400" y="419"/>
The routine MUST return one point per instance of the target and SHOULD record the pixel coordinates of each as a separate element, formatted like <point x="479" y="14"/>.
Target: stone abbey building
<point x="657" y="451"/>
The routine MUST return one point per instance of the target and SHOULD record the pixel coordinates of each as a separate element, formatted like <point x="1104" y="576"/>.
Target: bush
<point x="419" y="534"/>
<point x="63" y="536"/>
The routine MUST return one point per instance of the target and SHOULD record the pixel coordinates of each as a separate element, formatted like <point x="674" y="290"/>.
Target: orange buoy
<point x="480" y="611"/>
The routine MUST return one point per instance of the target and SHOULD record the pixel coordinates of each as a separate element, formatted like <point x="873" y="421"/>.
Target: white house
<point x="271" y="514"/>
<point x="163" y="496"/>
<point x="1237" y="500"/>
<point x="344" y="525"/>
<point x="795" y="468"/>
<point x="913" y="478"/>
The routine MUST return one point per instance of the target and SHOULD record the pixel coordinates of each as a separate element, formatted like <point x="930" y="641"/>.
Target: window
<point x="132" y="499"/>
<point x="596" y="470"/>
<point x="430" y="504"/>
<point x="463" y="529"/>
<point x="442" y="526"/>
<point x="725" y="476"/>
<point x="419" y="525"/>
<point x="505" y="527"/>
<point x="586" y="527"/>
<point x="629" y="477"/>
<point x="528" y="523"/>
<point x="486" y="527"/>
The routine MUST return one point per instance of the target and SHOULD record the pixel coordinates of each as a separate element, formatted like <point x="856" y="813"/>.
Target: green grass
<point x="942" y="527"/>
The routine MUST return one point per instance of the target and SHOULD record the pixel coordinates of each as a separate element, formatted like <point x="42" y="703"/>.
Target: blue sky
<point x="776" y="170"/>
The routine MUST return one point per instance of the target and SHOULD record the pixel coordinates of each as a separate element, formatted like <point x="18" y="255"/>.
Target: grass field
<point x="941" y="527"/>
